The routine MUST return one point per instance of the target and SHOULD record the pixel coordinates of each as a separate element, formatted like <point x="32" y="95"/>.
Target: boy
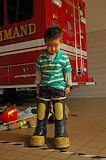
<point x="53" y="79"/>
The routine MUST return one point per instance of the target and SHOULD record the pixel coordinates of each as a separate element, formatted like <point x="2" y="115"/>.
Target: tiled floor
<point x="86" y="128"/>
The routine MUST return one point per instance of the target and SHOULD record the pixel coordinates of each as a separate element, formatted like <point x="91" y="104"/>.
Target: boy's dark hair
<point x="53" y="33"/>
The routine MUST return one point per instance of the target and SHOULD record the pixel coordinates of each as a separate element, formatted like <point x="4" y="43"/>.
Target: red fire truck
<point x="22" y="27"/>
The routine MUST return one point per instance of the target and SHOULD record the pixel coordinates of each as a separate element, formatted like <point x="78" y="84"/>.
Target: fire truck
<point x="22" y="27"/>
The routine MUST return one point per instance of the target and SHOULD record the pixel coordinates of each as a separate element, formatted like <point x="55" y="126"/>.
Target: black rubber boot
<point x="38" y="138"/>
<point x="61" y="137"/>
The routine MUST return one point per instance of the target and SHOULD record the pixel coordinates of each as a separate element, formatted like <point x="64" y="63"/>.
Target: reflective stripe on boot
<point x="62" y="142"/>
<point x="37" y="141"/>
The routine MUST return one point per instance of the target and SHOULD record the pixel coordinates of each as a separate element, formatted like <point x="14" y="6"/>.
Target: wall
<point x="95" y="14"/>
<point x="96" y="49"/>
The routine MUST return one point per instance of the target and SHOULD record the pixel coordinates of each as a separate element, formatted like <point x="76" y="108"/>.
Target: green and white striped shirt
<point x="53" y="70"/>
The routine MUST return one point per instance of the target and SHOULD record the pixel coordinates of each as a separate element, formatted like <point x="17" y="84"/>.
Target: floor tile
<point x="89" y="150"/>
<point x="39" y="151"/>
<point x="7" y="146"/>
<point x="79" y="142"/>
<point x="73" y="148"/>
<point x="58" y="155"/>
<point x="102" y="134"/>
<point x="30" y="157"/>
<point x="100" y="139"/>
<point x="11" y="155"/>
<point x="96" y="144"/>
<point x="85" y="136"/>
<point x="103" y="152"/>
<point x="76" y="157"/>
<point x="85" y="127"/>
<point x="48" y="158"/>
<point x="2" y="150"/>
<point x="24" y="149"/>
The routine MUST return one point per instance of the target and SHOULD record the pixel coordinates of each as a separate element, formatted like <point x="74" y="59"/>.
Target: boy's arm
<point x="37" y="90"/>
<point x="68" y="81"/>
<point x="38" y="80"/>
<point x="67" y="75"/>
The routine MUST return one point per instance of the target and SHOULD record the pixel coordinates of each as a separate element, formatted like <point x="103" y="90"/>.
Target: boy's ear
<point x="61" y="41"/>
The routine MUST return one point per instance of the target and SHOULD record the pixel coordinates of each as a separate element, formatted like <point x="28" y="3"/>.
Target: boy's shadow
<point x="49" y="143"/>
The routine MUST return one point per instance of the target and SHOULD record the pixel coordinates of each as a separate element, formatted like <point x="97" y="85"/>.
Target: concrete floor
<point x="86" y="127"/>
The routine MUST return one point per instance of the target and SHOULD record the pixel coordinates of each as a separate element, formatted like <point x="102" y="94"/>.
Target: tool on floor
<point x="10" y="114"/>
<point x="27" y="118"/>
<point x="13" y="119"/>
<point x="30" y="122"/>
<point x="29" y="112"/>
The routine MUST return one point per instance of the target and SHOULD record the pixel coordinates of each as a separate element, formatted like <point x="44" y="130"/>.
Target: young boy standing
<point x="53" y="79"/>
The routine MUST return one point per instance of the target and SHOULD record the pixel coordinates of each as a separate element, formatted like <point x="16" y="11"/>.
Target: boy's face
<point x="53" y="46"/>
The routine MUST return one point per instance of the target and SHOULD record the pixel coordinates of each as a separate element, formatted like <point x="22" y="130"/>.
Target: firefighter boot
<point x="38" y="138"/>
<point x="61" y="137"/>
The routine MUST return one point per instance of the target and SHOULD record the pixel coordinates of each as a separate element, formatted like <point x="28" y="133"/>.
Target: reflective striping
<point x="43" y="98"/>
<point x="50" y="114"/>
<point x="41" y="111"/>
<point x="22" y="45"/>
<point x="22" y="123"/>
<point x="18" y="86"/>
<point x="34" y="45"/>
<point x="83" y="83"/>
<point x="12" y="111"/>
<point x="34" y="85"/>
<point x="22" y="51"/>
<point x="58" y="98"/>
<point x="72" y="49"/>
<point x="58" y="111"/>
<point x="73" y="54"/>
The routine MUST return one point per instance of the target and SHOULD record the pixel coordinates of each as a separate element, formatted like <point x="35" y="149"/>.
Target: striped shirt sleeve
<point x="38" y="66"/>
<point x="68" y="78"/>
<point x="67" y="67"/>
<point x="38" y="77"/>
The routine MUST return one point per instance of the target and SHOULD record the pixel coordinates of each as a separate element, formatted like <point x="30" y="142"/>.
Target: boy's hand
<point x="37" y="90"/>
<point x="67" y="90"/>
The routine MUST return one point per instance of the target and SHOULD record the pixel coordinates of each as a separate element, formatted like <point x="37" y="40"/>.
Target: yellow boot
<point x="38" y="138"/>
<point x="61" y="137"/>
